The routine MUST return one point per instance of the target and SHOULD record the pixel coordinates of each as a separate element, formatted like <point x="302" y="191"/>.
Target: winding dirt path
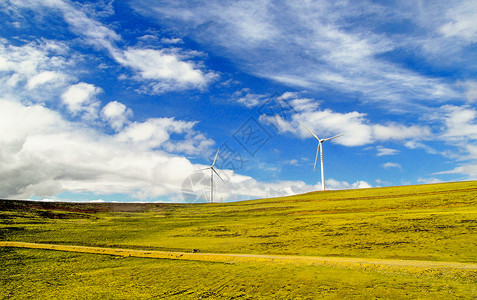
<point x="412" y="266"/>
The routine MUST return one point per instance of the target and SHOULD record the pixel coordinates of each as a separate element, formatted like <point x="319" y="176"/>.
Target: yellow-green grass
<point x="46" y="274"/>
<point x="443" y="269"/>
<point x="427" y="222"/>
<point x="432" y="223"/>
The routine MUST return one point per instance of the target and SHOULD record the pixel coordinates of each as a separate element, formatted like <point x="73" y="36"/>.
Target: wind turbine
<point x="212" y="171"/>
<point x="320" y="149"/>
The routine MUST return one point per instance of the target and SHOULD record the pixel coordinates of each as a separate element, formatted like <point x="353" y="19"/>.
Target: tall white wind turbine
<point x="320" y="149"/>
<point x="212" y="171"/>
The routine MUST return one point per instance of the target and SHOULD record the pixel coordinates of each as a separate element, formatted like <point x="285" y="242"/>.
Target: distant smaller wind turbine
<point x="212" y="171"/>
<point x="320" y="149"/>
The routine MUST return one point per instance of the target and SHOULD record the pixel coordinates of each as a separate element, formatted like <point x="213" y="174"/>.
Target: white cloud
<point x="42" y="155"/>
<point x="292" y="162"/>
<point x="333" y="184"/>
<point x="172" y="41"/>
<point x="17" y="122"/>
<point x="245" y="187"/>
<point x="468" y="170"/>
<point x="462" y="22"/>
<point x="249" y="20"/>
<point x="330" y="123"/>
<point x="382" y="182"/>
<point x="357" y="129"/>
<point x="470" y="90"/>
<point x="429" y="180"/>
<point x="386" y="151"/>
<point x="400" y="132"/>
<point x="81" y="98"/>
<point x="444" y="36"/>
<point x="419" y="145"/>
<point x="240" y="187"/>
<point x="26" y="68"/>
<point x="156" y="133"/>
<point x="460" y="132"/>
<point x="248" y="99"/>
<point x="166" y="70"/>
<point x="91" y="30"/>
<point x="324" y="123"/>
<point x="44" y="78"/>
<point x="390" y="165"/>
<point x="153" y="132"/>
<point x="194" y="143"/>
<point x="316" y="45"/>
<point x="161" y="70"/>
<point x="460" y="122"/>
<point x="116" y="114"/>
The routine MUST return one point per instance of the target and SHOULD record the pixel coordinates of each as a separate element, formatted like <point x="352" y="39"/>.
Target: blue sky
<point x="129" y="100"/>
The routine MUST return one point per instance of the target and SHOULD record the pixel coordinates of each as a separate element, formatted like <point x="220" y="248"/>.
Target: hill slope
<point x="426" y="222"/>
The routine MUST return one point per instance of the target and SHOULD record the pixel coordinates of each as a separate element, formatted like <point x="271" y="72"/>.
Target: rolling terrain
<point x="410" y="241"/>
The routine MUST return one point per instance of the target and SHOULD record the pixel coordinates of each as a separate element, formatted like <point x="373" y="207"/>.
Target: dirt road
<point x="386" y="265"/>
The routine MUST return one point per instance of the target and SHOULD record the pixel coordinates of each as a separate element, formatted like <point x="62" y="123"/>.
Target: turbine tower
<point x="212" y="171"/>
<point x="320" y="149"/>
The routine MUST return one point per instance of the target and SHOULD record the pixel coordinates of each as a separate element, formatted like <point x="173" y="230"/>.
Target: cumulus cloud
<point x="156" y="132"/>
<point x="116" y="114"/>
<point x="42" y="154"/>
<point x="36" y="69"/>
<point x="194" y="143"/>
<point x="357" y="129"/>
<point x="153" y="132"/>
<point x="81" y="99"/>
<point x="166" y="70"/>
<point x="333" y="184"/>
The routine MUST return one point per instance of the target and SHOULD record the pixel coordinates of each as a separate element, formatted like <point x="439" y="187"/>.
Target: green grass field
<point x="427" y="222"/>
<point x="32" y="273"/>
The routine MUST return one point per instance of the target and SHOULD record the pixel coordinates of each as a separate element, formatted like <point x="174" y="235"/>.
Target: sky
<point x="129" y="100"/>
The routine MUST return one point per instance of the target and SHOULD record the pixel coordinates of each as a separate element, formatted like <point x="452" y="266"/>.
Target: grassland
<point x="33" y="273"/>
<point x="427" y="222"/>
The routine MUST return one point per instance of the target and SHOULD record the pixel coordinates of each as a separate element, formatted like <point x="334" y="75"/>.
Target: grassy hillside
<point x="43" y="274"/>
<point x="426" y="222"/>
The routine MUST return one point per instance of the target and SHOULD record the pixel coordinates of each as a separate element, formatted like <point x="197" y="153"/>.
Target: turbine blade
<point x="204" y="169"/>
<point x="309" y="130"/>
<point x="215" y="158"/>
<point x="316" y="158"/>
<point x="334" y="137"/>
<point x="218" y="175"/>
